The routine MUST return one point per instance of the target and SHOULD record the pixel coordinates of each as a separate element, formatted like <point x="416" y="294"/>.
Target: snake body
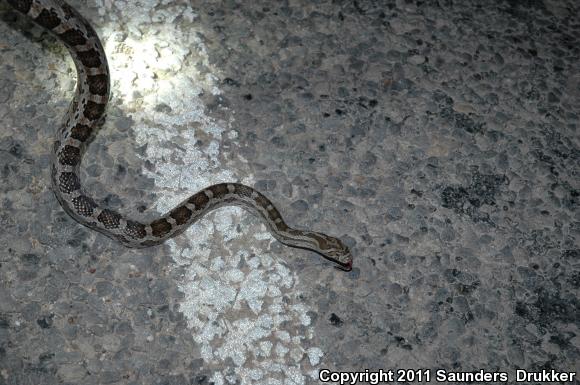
<point x="86" y="112"/>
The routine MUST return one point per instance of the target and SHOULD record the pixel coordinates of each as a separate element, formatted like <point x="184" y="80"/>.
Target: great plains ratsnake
<point x="85" y="113"/>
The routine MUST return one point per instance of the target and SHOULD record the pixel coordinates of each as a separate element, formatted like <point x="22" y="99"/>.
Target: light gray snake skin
<point x="87" y="111"/>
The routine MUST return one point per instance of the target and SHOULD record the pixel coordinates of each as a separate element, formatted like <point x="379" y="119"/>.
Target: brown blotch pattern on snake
<point x="199" y="200"/>
<point x="90" y="58"/>
<point x="48" y="19"/>
<point x="262" y="201"/>
<point x="219" y="190"/>
<point x="98" y="84"/>
<point x="81" y="132"/>
<point x="84" y="205"/>
<point x="135" y="229"/>
<point x="181" y="215"/>
<point x="109" y="219"/>
<point x="94" y="110"/>
<point x="160" y="227"/>
<point x="68" y="182"/>
<point x="73" y="37"/>
<point x="69" y="155"/>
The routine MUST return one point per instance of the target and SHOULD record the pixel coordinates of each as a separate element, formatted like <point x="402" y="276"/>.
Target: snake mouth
<point x="345" y="266"/>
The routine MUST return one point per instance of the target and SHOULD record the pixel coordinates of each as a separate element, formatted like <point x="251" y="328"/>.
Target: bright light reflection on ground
<point x="234" y="293"/>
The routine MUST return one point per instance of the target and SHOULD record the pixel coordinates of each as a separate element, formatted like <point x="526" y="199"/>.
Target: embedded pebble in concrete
<point x="438" y="140"/>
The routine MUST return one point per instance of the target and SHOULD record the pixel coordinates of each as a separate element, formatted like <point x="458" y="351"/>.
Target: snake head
<point x="335" y="250"/>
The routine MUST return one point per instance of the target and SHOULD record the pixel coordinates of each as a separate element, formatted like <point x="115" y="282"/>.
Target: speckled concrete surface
<point x="438" y="138"/>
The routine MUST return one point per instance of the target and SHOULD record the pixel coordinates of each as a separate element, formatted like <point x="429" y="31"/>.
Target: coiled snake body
<point x="85" y="113"/>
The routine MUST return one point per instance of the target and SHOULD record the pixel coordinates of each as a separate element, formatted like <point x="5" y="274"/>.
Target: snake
<point x="87" y="112"/>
